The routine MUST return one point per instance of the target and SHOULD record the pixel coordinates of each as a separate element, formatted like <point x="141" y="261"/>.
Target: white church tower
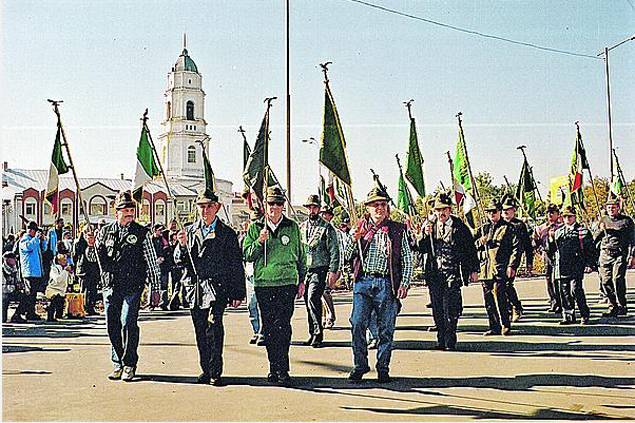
<point x="184" y="122"/>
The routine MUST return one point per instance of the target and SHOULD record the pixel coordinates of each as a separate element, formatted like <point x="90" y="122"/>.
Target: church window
<point x="189" y="81"/>
<point x="189" y="110"/>
<point x="191" y="154"/>
<point x="168" y="111"/>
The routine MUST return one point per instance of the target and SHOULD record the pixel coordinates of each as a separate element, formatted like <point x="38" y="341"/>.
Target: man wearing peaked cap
<point x="322" y="263"/>
<point x="500" y="256"/>
<point x="382" y="277"/>
<point x="451" y="262"/>
<point x="522" y="233"/>
<point x="274" y="245"/>
<point x="213" y="277"/>
<point x="573" y="249"/>
<point x="127" y="258"/>
<point x="616" y="238"/>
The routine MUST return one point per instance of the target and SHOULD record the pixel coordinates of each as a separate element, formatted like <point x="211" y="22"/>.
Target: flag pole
<point x="265" y="182"/>
<point x="595" y="194"/>
<point x="531" y="171"/>
<point x="513" y="194"/>
<point x="620" y="175"/>
<point x="459" y="209"/>
<point x="469" y="169"/>
<point x="82" y="206"/>
<point x="179" y="223"/>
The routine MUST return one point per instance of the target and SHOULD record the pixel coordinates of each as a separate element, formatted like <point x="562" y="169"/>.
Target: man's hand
<point x="264" y="235"/>
<point x="235" y="303"/>
<point x="428" y="228"/>
<point x="474" y="277"/>
<point x="300" y="290"/>
<point x="402" y="292"/>
<point x="331" y="278"/>
<point x="552" y="232"/>
<point x="359" y="232"/>
<point x="160" y="260"/>
<point x="511" y="272"/>
<point x="181" y="236"/>
<point x="90" y="239"/>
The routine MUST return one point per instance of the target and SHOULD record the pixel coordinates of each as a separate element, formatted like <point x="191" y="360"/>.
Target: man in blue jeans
<point x="126" y="257"/>
<point x="382" y="278"/>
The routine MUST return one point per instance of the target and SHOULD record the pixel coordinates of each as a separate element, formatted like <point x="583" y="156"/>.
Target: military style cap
<point x="376" y="194"/>
<point x="32" y="225"/>
<point x="492" y="205"/>
<point x="206" y="196"/>
<point x="275" y="195"/>
<point x="326" y="209"/>
<point x="123" y="200"/>
<point x="509" y="202"/>
<point x="569" y="211"/>
<point x="345" y="218"/>
<point x="313" y="200"/>
<point x="612" y="200"/>
<point x="553" y="208"/>
<point x="442" y="201"/>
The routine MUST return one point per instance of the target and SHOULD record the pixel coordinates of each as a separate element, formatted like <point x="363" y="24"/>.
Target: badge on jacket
<point x="131" y="239"/>
<point x="285" y="239"/>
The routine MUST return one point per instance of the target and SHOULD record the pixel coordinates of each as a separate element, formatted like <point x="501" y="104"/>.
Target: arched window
<point x="189" y="110"/>
<point x="191" y="154"/>
<point x="145" y="208"/>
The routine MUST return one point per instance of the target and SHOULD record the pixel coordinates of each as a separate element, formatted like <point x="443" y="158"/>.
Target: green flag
<point x="617" y="182"/>
<point x="463" y="190"/>
<point x="210" y="179"/>
<point x="58" y="167"/>
<point x="253" y="173"/>
<point x="414" y="164"/>
<point x="333" y="145"/>
<point x="525" y="191"/>
<point x="404" y="200"/>
<point x="147" y="167"/>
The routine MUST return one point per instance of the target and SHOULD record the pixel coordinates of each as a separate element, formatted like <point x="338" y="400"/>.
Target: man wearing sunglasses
<point x="274" y="245"/>
<point x="382" y="278"/>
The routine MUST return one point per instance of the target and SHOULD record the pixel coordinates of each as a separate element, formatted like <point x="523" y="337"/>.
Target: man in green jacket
<point x="274" y="245"/>
<point x="323" y="261"/>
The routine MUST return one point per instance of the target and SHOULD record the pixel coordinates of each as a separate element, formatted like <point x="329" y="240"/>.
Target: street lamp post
<point x="605" y="53"/>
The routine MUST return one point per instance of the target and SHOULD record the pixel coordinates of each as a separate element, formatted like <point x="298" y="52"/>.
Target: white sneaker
<point x="128" y="373"/>
<point x="115" y="374"/>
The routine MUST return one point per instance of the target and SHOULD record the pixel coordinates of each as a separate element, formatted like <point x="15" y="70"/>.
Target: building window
<point x="159" y="212"/>
<point x="66" y="208"/>
<point x="47" y="209"/>
<point x="98" y="206"/>
<point x="189" y="81"/>
<point x="145" y="207"/>
<point x="189" y="110"/>
<point x="168" y="110"/>
<point x="191" y="154"/>
<point x="181" y="205"/>
<point x="29" y="208"/>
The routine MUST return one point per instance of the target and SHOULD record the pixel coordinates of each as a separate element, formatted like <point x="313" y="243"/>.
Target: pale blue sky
<point x="108" y="61"/>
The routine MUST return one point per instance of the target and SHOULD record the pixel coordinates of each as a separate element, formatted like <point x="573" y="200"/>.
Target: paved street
<point x="544" y="371"/>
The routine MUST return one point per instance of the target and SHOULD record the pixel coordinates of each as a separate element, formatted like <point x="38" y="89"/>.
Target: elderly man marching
<point x="500" y="249"/>
<point x="322" y="263"/>
<point x="522" y="233"/>
<point x="127" y="257"/>
<point x="213" y="278"/>
<point x="616" y="239"/>
<point x="382" y="278"/>
<point x="572" y="245"/>
<point x="274" y="245"/>
<point x="453" y="262"/>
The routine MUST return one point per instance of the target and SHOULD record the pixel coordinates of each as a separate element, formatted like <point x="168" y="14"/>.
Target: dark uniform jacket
<point x="218" y="261"/>
<point x="122" y="259"/>
<point x="499" y="249"/>
<point x="461" y="243"/>
<point x="616" y="236"/>
<point x="522" y="233"/>
<point x="573" y="249"/>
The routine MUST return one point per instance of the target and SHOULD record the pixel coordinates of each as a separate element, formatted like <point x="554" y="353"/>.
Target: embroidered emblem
<point x="131" y="239"/>
<point x="285" y="240"/>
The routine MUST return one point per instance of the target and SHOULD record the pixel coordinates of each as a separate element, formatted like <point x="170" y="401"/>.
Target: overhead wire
<point x="472" y="32"/>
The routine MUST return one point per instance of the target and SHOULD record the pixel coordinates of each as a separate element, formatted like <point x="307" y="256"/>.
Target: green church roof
<point x="185" y="63"/>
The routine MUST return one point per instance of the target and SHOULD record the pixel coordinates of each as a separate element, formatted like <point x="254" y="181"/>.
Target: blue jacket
<point x="31" y="256"/>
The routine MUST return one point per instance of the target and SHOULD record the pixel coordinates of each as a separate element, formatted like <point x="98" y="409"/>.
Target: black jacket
<point x="218" y="263"/>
